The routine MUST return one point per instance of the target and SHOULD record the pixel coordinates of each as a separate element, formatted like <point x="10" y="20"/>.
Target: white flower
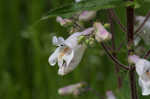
<point x="143" y="71"/>
<point x="101" y="34"/>
<point x="87" y="15"/>
<point x="145" y="29"/>
<point x="62" y="21"/>
<point x="69" y="53"/>
<point x="71" y="89"/>
<point x="110" y="95"/>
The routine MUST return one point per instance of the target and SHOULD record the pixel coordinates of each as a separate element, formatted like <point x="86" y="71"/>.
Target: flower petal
<point x="142" y="66"/>
<point x="87" y="15"/>
<point x="78" y="53"/>
<point x="72" y="41"/>
<point x="57" y="41"/>
<point x="53" y="58"/>
<point x="145" y="85"/>
<point x="101" y="33"/>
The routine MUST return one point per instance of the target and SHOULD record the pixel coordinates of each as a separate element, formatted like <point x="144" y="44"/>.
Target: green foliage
<point x="68" y="10"/>
<point x="24" y="69"/>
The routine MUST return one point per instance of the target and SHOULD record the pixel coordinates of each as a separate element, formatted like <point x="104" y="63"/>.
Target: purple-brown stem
<point x="147" y="54"/>
<point x="137" y="30"/>
<point x="130" y="39"/>
<point x="114" y="58"/>
<point x="117" y="69"/>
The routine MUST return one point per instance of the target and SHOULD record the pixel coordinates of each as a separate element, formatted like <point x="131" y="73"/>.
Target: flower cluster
<point x="70" y="52"/>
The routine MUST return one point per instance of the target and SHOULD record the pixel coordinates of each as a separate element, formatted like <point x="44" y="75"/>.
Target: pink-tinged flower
<point x="71" y="89"/>
<point x="87" y="15"/>
<point x="110" y="95"/>
<point x="62" y="21"/>
<point x="133" y="59"/>
<point x="101" y="34"/>
<point x="69" y="53"/>
<point x="143" y="71"/>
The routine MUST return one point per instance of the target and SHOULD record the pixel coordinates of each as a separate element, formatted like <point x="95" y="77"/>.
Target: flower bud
<point x="73" y="89"/>
<point x="81" y="38"/>
<point x="87" y="15"/>
<point x="101" y="34"/>
<point x="107" y="25"/>
<point x="63" y="22"/>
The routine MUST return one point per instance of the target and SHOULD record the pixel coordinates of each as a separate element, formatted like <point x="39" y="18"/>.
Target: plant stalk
<point x="130" y="44"/>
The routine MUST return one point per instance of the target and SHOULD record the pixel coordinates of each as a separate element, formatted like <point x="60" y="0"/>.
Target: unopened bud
<point x="87" y="15"/>
<point x="106" y="25"/>
<point x="101" y="34"/>
<point x="91" y="41"/>
<point x="87" y="41"/>
<point x="81" y="38"/>
<point x="73" y="89"/>
<point x="63" y="22"/>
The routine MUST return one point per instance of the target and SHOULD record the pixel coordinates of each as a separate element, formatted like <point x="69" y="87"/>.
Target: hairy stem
<point x="117" y="69"/>
<point x="130" y="38"/>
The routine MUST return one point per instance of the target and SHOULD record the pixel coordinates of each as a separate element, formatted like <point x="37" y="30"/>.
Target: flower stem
<point x="147" y="54"/>
<point x="117" y="69"/>
<point x="113" y="58"/>
<point x="130" y="44"/>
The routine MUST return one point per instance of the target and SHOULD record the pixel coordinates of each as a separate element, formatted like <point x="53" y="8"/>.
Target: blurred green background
<point x="24" y="69"/>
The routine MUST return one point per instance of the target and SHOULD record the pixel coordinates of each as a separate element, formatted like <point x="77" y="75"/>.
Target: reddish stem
<point x="147" y="54"/>
<point x="114" y="58"/>
<point x="130" y="39"/>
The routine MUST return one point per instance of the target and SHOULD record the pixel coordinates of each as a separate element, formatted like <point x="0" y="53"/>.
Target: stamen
<point x="63" y="52"/>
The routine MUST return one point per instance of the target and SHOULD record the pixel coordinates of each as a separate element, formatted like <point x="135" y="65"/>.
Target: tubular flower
<point x="71" y="89"/>
<point x="143" y="71"/>
<point x="62" y="21"/>
<point x="69" y="53"/>
<point x="101" y="34"/>
<point x="87" y="15"/>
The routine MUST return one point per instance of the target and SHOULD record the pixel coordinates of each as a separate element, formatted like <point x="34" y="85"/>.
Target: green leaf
<point x="68" y="10"/>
